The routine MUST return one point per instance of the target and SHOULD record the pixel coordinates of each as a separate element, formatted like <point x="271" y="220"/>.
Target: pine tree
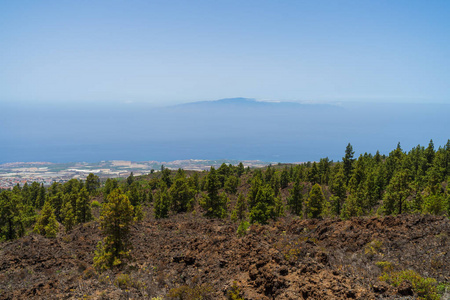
<point x="394" y="162"/>
<point x="33" y="194"/>
<point x="162" y="202"/>
<point x="72" y="198"/>
<point x="324" y="170"/>
<point x="278" y="210"/>
<point x="222" y="174"/>
<point x="339" y="190"/>
<point x="182" y="195"/>
<point x="264" y="206"/>
<point x="240" y="169"/>
<point x="57" y="201"/>
<point x="270" y="172"/>
<point x="211" y="202"/>
<point x="255" y="186"/>
<point x="83" y="207"/>
<point x="348" y="160"/>
<point x="313" y="174"/>
<point x="194" y="182"/>
<point x="284" y="178"/>
<point x="295" y="200"/>
<point x="351" y="207"/>
<point x="46" y="224"/>
<point x="12" y="216"/>
<point x="315" y="201"/>
<point x="398" y="190"/>
<point x="110" y="185"/>
<point x="275" y="184"/>
<point x="72" y="186"/>
<point x="25" y="193"/>
<point x="130" y="179"/>
<point x="240" y="209"/>
<point x="68" y="216"/>
<point x="370" y="191"/>
<point x="429" y="154"/>
<point x="434" y="201"/>
<point x="417" y="202"/>
<point x="115" y="222"/>
<point x="54" y="189"/>
<point x="231" y="184"/>
<point x="41" y="197"/>
<point x="92" y="183"/>
<point x="165" y="176"/>
<point x="133" y="194"/>
<point x="435" y="204"/>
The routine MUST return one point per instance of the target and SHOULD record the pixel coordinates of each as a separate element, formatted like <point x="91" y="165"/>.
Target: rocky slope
<point x="188" y="256"/>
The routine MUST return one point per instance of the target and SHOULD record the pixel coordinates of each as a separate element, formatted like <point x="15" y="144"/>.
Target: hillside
<point x="375" y="227"/>
<point x="288" y="259"/>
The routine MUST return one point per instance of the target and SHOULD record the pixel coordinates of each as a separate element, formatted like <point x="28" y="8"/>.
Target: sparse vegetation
<point x="186" y="292"/>
<point x="373" y="248"/>
<point x="425" y="288"/>
<point x="234" y="293"/>
<point x="385" y="266"/>
<point x="243" y="228"/>
<point x="329" y="208"/>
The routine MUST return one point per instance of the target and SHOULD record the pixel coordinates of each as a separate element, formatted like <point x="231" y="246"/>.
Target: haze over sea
<point x="112" y="80"/>
<point x="238" y="128"/>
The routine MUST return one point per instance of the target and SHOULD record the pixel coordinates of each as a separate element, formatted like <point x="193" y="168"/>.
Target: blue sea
<point x="272" y="133"/>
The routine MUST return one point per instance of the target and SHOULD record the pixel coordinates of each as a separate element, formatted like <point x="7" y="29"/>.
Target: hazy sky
<point x="166" y="52"/>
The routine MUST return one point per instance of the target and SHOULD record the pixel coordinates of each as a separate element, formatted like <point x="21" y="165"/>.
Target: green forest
<point x="402" y="182"/>
<point x="276" y="208"/>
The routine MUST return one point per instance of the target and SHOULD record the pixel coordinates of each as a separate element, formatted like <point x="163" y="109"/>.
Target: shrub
<point x="95" y="204"/>
<point x="372" y="248"/>
<point x="385" y="266"/>
<point x="234" y="292"/>
<point x="425" y="288"/>
<point x="443" y="287"/>
<point x="123" y="281"/>
<point x="89" y="273"/>
<point x="185" y="292"/>
<point x="243" y="227"/>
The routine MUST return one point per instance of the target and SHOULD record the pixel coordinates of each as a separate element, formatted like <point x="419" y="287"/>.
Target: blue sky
<point x="167" y="52"/>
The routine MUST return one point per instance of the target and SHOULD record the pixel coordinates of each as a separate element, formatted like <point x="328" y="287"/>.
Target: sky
<point x="169" y="52"/>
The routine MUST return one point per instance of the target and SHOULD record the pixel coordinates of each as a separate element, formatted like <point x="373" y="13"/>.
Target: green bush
<point x="372" y="248"/>
<point x="425" y="288"/>
<point x="443" y="287"/>
<point x="234" y="293"/>
<point x="123" y="281"/>
<point x="95" y="204"/>
<point x="243" y="227"/>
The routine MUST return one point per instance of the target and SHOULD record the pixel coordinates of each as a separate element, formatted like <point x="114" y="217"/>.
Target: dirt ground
<point x="188" y="256"/>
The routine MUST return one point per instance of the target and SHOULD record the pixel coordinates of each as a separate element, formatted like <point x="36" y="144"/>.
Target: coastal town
<point x="47" y="173"/>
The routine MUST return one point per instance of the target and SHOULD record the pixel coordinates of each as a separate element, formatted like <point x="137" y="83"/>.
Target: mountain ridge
<point x="252" y="102"/>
